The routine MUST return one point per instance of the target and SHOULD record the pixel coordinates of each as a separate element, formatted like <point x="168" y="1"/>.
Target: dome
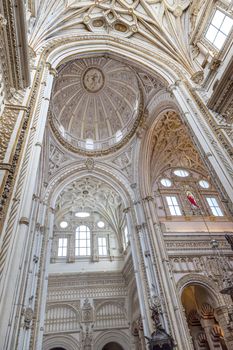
<point x="95" y="103"/>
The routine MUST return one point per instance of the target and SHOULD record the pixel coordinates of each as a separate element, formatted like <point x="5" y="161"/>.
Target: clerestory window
<point x="62" y="247"/>
<point x="173" y="205"/>
<point x="219" y="29"/>
<point x="102" y="246"/>
<point x="82" y="241"/>
<point x="213" y="204"/>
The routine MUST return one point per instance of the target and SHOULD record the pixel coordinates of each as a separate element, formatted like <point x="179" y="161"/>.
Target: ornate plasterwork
<point x="7" y="124"/>
<point x="16" y="55"/>
<point x="99" y="286"/>
<point x="124" y="162"/>
<point x="93" y="196"/>
<point x="194" y="278"/>
<point x="95" y="99"/>
<point x="172" y="146"/>
<point x="10" y="178"/>
<point x="61" y="340"/>
<point x="221" y="100"/>
<point x="57" y="158"/>
<point x="159" y="23"/>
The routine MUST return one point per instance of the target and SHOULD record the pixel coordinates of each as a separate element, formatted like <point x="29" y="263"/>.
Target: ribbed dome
<point x="95" y="102"/>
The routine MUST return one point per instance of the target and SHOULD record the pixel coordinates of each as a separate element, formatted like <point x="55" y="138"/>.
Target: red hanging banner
<point x="191" y="199"/>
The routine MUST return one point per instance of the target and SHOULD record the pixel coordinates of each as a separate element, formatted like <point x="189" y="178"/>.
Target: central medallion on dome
<point x="95" y="104"/>
<point x="93" y="79"/>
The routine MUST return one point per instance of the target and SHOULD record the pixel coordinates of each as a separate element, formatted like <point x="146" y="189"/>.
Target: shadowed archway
<point x="112" y="346"/>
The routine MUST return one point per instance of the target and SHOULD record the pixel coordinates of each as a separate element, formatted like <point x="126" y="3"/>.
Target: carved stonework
<point x="28" y="316"/>
<point x="112" y="110"/>
<point x="90" y="163"/>
<point x="172" y="146"/>
<point x="7" y="124"/>
<point x="87" y="312"/>
<point x="221" y="100"/>
<point x="56" y="159"/>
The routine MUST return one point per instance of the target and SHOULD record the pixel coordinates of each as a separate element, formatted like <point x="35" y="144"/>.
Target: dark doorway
<point x="112" y="346"/>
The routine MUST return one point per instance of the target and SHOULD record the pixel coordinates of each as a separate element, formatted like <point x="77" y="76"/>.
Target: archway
<point x="199" y="306"/>
<point x="112" y="346"/>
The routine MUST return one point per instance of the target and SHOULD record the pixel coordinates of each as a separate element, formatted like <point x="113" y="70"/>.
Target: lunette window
<point x="82" y="241"/>
<point x="102" y="246"/>
<point x="173" y="205"/>
<point x="219" y="29"/>
<point x="213" y="204"/>
<point x="62" y="247"/>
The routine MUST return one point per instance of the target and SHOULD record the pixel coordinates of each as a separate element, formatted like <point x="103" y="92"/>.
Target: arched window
<point x="82" y="241"/>
<point x="125" y="237"/>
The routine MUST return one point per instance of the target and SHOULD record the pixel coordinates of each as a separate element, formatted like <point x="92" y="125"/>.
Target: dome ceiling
<point x="95" y="103"/>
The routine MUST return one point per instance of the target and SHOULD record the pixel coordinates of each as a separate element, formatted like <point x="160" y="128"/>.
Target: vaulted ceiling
<point x="164" y="25"/>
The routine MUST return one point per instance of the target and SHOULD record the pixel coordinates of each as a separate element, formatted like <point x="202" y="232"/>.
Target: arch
<point x="106" y="337"/>
<point x="85" y="231"/>
<point x="157" y="115"/>
<point x="112" y="346"/>
<point x="59" y="51"/>
<point x="196" y="279"/>
<point x="114" y="308"/>
<point x="60" y="341"/>
<point x="63" y="312"/>
<point x="75" y="171"/>
<point x="201" y="308"/>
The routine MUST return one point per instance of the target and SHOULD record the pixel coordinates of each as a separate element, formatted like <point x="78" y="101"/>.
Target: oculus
<point x="100" y="224"/>
<point x="82" y="214"/>
<point x="166" y="182"/>
<point x="204" y="184"/>
<point x="181" y="173"/>
<point x="63" y="224"/>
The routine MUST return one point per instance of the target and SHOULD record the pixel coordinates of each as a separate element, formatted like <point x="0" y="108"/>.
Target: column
<point x="204" y="138"/>
<point x="16" y="236"/>
<point x="42" y="287"/>
<point x="166" y="280"/>
<point x="32" y="280"/>
<point x="139" y="276"/>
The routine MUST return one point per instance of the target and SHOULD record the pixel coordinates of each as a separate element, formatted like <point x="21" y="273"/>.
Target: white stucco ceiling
<point x="95" y="99"/>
